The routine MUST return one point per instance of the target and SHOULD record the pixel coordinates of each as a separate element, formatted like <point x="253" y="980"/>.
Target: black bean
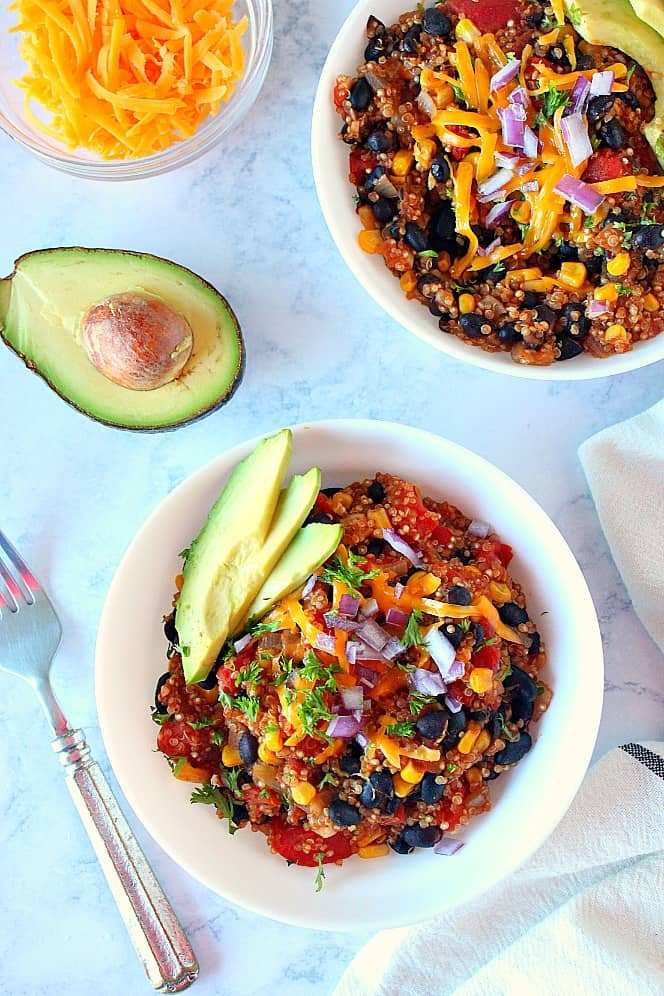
<point x="613" y="134"/>
<point x="598" y="107"/>
<point x="383" y="209"/>
<point x="521" y="707"/>
<point x="433" y="725"/>
<point x="558" y="55"/>
<point x="508" y="334"/>
<point x="390" y="806"/>
<point x="431" y="791"/>
<point x="629" y="98"/>
<point x="648" y="237"/>
<point x="211" y="681"/>
<point x="495" y="727"/>
<point x="464" y="555"/>
<point x="382" y="783"/>
<point x="593" y="264"/>
<point x="372" y="178"/>
<point x="240" y="814"/>
<point x="513" y="752"/>
<point x="521" y="679"/>
<point x="573" y="320"/>
<point x="479" y="635"/>
<point x="248" y="748"/>
<point x="585" y="62"/>
<point x="493" y="274"/>
<point x="453" y="633"/>
<point x="436" y="23"/>
<point x="472" y="325"/>
<point x="380" y="141"/>
<point x="158" y="704"/>
<point x="569" y="348"/>
<point x="369" y="797"/>
<point x="512" y="614"/>
<point x="479" y="716"/>
<point x="343" y="814"/>
<point x="443" y="225"/>
<point x="376" y="547"/>
<point x="401" y="847"/>
<point x="409" y="573"/>
<point x="440" y="169"/>
<point x="429" y="283"/>
<point x="535" y="643"/>
<point x="545" y="314"/>
<point x="535" y="18"/>
<point x="321" y="517"/>
<point x="376" y="492"/>
<point x="411" y="38"/>
<point x="456" y="725"/>
<point x="374" y="26"/>
<point x="170" y="631"/>
<point x="444" y="322"/>
<point x="351" y="761"/>
<point x="530" y="299"/>
<point x="418" y="836"/>
<point x="458" y="595"/>
<point x="361" y="95"/>
<point x="567" y="253"/>
<point x="492" y="776"/>
<point x="416" y="237"/>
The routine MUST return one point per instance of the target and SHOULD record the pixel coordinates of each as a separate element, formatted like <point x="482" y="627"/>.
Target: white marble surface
<point x="72" y="494"/>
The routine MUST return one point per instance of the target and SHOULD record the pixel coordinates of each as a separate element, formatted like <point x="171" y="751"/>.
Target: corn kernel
<point x="367" y="217"/>
<point x="230" y="756"/>
<point x="481" y="679"/>
<point x="373" y="851"/>
<point x="370" y="241"/>
<point x="609" y="292"/>
<point x="466" y="304"/>
<point x="267" y="755"/>
<point x="615" y="332"/>
<point x="473" y="776"/>
<point x="500" y="593"/>
<point x="444" y="96"/>
<point x="403" y="162"/>
<point x="541" y="285"/>
<point x="303" y="793"/>
<point x="650" y="303"/>
<point x="483" y="741"/>
<point x="573" y="274"/>
<point x="619" y="265"/>
<point x="468" y="740"/>
<point x="424" y="152"/>
<point x="444" y="262"/>
<point x="401" y="788"/>
<point x="528" y="273"/>
<point x="411" y="773"/>
<point x="408" y="281"/>
<point x="273" y="740"/>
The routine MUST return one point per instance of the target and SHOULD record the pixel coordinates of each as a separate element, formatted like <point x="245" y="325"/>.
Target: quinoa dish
<point x="502" y="172"/>
<point x="370" y="708"/>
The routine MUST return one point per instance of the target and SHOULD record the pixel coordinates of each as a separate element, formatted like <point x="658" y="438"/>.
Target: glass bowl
<point x="257" y="42"/>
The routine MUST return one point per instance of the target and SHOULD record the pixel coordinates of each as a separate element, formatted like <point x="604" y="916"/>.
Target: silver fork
<point x="30" y="635"/>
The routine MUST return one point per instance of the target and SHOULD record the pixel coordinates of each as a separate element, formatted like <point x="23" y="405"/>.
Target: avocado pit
<point x="136" y="341"/>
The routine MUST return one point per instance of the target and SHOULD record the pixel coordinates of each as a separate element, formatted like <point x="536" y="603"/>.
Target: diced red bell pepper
<point x="605" y="164"/>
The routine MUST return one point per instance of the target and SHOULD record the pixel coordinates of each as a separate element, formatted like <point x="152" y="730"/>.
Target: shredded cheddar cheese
<point x="127" y="78"/>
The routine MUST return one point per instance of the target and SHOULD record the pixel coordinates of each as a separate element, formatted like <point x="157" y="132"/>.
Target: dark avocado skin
<point x="197" y="416"/>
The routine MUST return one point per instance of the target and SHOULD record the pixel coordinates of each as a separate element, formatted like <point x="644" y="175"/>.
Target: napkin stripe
<point x="647" y="757"/>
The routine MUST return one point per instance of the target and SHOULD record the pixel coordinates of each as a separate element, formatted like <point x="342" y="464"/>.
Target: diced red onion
<point x="333" y="621"/>
<point x="396" y="617"/>
<point x="373" y="634"/>
<point x="309" y="586"/>
<point x="453" y="704"/>
<point x="530" y="186"/>
<point x="505" y="75"/>
<point x="519" y="96"/>
<point x="427" y="682"/>
<point x="498" y="211"/>
<point x="499" y="195"/>
<point x="531" y="143"/>
<point x="400" y="545"/>
<point x="579" y="193"/>
<point x="348" y="606"/>
<point x="512" y="126"/>
<point x="392" y="649"/>
<point x="366" y="653"/>
<point x="351" y="651"/>
<point x="487" y="250"/>
<point x="441" y="651"/>
<point x="495" y="182"/>
<point x="362" y="740"/>
<point x="479" y="529"/>
<point x="575" y="134"/>
<point x="325" y="642"/>
<point x="524" y="168"/>
<point x="426" y="103"/>
<point x="506" y="160"/>
<point x="579" y="96"/>
<point x="242" y="643"/>
<point x="353" y="698"/>
<point x="369" y="609"/>
<point x="385" y="188"/>
<point x="344" y="727"/>
<point x="399" y="590"/>
<point x="448" y="846"/>
<point x="601" y="84"/>
<point x="457" y="670"/>
<point x="366" y="675"/>
<point x="597" y="308"/>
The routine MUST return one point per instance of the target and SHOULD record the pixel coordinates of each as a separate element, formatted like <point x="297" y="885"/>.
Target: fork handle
<point x="155" y="931"/>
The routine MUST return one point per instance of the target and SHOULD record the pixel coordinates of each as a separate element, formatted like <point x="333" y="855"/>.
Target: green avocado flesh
<point x="41" y="306"/>
<point x="310" y="548"/>
<point x="615" y="23"/>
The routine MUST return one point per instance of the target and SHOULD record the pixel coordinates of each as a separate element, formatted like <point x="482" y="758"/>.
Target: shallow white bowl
<point x="528" y="802"/>
<point x="335" y="193"/>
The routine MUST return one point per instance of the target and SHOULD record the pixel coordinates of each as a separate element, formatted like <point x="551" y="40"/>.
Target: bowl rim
<point x="558" y="798"/>
<point x="367" y="269"/>
<point x="179" y="154"/>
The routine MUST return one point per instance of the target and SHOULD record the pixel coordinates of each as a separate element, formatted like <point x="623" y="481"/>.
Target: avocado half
<point x="41" y="305"/>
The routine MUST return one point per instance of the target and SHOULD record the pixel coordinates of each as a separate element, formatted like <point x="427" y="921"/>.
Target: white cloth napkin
<point x="583" y="917"/>
<point x="625" y="469"/>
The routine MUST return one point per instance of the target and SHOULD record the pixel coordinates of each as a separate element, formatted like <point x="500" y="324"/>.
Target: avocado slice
<point x="652" y="12"/>
<point x="614" y="23"/>
<point x="224" y="566"/>
<point x="43" y="301"/>
<point x="310" y="548"/>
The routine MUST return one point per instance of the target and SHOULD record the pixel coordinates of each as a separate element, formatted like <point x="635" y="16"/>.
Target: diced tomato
<point x="487" y="657"/>
<point x="323" y="505"/>
<point x="605" y="164"/>
<point x="227" y="680"/>
<point x="487" y="15"/>
<point x="358" y="163"/>
<point x="340" y="95"/>
<point x="504" y="552"/>
<point x="302" y="846"/>
<point x="486" y="627"/>
<point x="405" y="498"/>
<point x="260" y="802"/>
<point x="442" y="535"/>
<point x="177" y="739"/>
<point x="310" y="746"/>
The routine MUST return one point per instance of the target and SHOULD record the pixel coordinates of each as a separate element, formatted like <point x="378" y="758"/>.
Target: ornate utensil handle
<point x="155" y="931"/>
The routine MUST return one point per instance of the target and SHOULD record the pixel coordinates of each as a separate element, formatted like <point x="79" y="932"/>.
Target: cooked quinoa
<point x="525" y="211"/>
<point x="372" y="707"/>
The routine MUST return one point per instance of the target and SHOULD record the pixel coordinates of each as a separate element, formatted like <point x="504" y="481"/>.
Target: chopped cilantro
<point x="217" y="737"/>
<point x="231" y="776"/>
<point x="349" y="574"/>
<point x="589" y="222"/>
<point x="400" y="729"/>
<point x="524" y="229"/>
<point x="403" y="666"/>
<point x="251" y="674"/>
<point x="506" y="672"/>
<point x="158" y="717"/>
<point x="553" y="99"/>
<point x="249" y="705"/>
<point x="271" y="728"/>
<point x="177" y="764"/>
<point x="490" y="643"/>
<point x="417" y="702"/>
<point x="314" y="670"/>
<point x="264" y="794"/>
<point x="428" y="254"/>
<point x="412" y="636"/>
<point x="451" y="767"/>
<point x="464" y="625"/>
<point x="208" y="795"/>
<point x="622" y="289"/>
<point x="459" y="93"/>
<point x="313" y="710"/>
<point x="328" y="779"/>
<point x="200" y="724"/>
<point x="507" y="733"/>
<point x="630" y="73"/>
<point x="320" y="874"/>
<point x="258" y="629"/>
<point x="286" y="667"/>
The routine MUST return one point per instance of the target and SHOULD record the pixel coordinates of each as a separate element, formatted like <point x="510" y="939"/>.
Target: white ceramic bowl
<point x="335" y="193"/>
<point x="528" y="802"/>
